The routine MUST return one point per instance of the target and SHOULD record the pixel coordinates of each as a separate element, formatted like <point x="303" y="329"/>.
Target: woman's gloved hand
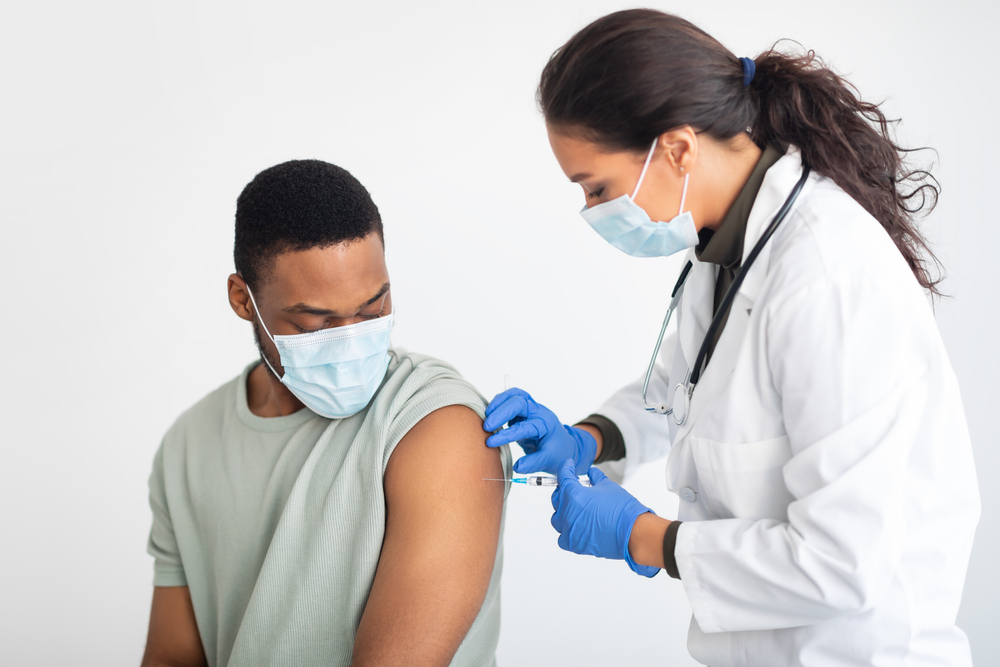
<point x="597" y="520"/>
<point x="545" y="440"/>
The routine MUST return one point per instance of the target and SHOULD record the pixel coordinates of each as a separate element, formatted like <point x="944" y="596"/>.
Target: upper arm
<point x="441" y="535"/>
<point x="173" y="639"/>
<point x="838" y="350"/>
<point x="848" y="366"/>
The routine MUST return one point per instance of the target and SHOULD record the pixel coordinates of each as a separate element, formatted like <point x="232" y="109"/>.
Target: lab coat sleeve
<point x="646" y="434"/>
<point x="849" y="361"/>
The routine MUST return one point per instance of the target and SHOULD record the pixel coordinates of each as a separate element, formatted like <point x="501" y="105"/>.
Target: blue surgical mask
<point x="625" y="225"/>
<point x="334" y="372"/>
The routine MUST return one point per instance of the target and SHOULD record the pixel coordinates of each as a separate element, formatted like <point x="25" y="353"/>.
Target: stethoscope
<point x="694" y="374"/>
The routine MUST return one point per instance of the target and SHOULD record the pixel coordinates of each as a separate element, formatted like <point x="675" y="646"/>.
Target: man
<point x="293" y="518"/>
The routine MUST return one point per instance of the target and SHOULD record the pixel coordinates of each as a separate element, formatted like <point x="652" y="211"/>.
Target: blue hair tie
<point x="749" y="69"/>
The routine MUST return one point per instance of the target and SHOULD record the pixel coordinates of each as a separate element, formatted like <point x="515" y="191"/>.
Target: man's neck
<point x="267" y="397"/>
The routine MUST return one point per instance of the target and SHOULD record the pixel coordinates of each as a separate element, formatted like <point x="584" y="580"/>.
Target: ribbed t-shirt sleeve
<point x="168" y="570"/>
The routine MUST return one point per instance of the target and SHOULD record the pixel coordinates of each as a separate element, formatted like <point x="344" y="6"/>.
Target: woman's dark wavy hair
<point x="633" y="75"/>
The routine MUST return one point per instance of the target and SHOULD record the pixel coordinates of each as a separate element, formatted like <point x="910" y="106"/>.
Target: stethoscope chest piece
<point x="681" y="403"/>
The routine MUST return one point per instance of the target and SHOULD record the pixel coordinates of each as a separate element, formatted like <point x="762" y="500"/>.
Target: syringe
<point x="536" y="480"/>
<point x="531" y="480"/>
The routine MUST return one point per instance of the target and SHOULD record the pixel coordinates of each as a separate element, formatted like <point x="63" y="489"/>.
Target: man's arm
<point x="173" y="639"/>
<point x="441" y="535"/>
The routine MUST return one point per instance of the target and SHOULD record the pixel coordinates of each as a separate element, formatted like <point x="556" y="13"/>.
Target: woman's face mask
<point x="623" y="223"/>
<point x="626" y="225"/>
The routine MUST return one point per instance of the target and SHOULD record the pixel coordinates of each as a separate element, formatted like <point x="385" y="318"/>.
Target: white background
<point x="129" y="128"/>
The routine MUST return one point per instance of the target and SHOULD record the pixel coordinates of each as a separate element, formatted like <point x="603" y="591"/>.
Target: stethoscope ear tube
<point x="679" y="285"/>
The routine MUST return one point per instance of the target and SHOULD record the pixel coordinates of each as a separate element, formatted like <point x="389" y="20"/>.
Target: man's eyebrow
<point x="381" y="292"/>
<point x="307" y="309"/>
<point x="311" y="310"/>
<point x="578" y="177"/>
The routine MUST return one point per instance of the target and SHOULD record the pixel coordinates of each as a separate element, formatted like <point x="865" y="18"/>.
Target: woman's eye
<point x="596" y="193"/>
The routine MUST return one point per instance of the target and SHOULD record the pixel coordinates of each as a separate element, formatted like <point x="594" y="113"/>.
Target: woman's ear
<point x="680" y="148"/>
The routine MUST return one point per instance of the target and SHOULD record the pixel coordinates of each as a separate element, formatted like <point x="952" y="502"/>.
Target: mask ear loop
<point x="684" y="193"/>
<point x="256" y="312"/>
<point x="652" y="149"/>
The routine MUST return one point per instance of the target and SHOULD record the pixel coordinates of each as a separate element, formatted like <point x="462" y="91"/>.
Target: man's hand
<point x="441" y="535"/>
<point x="173" y="639"/>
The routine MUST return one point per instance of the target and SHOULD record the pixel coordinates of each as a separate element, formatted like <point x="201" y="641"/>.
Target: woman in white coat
<point x="814" y="426"/>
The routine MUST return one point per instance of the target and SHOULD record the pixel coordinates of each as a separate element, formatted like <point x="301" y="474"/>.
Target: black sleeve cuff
<point x="613" y="448"/>
<point x="669" y="545"/>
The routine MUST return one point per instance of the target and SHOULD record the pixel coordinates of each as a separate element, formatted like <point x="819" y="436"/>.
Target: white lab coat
<point x="825" y="472"/>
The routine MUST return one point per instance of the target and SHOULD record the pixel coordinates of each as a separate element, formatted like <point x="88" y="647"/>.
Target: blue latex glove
<point x="597" y="520"/>
<point x="545" y="440"/>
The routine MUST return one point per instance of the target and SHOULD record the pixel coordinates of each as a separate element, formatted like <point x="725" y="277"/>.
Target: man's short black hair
<point x="298" y="205"/>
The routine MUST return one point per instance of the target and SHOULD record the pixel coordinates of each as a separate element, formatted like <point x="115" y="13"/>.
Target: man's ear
<point x="239" y="297"/>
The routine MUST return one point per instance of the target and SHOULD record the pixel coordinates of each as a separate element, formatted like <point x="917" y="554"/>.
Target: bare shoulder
<point x="449" y="444"/>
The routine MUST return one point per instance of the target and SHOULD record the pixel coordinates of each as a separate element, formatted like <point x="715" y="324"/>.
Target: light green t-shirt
<point x="276" y="525"/>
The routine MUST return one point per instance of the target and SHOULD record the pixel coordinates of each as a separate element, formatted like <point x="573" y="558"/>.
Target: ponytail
<point x="631" y="76"/>
<point x="801" y="102"/>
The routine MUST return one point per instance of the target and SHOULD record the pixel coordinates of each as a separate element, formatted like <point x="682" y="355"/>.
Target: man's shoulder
<point x="209" y="412"/>
<point x="406" y="362"/>
<point x="415" y="386"/>
<point x="411" y="374"/>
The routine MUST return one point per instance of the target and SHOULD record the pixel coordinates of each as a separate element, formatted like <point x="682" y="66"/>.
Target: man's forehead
<point x="337" y="278"/>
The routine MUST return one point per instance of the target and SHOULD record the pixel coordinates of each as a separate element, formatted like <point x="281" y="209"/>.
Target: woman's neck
<point x="724" y="168"/>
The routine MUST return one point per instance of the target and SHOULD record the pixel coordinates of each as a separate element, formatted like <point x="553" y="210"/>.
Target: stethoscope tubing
<point x="675" y="296"/>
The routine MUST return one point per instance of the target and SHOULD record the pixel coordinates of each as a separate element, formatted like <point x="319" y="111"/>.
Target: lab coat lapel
<point x="778" y="183"/>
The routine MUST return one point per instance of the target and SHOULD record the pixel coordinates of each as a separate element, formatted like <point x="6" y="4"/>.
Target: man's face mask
<point x="334" y="372"/>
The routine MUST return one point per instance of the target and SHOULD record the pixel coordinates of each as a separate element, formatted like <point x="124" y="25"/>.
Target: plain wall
<point x="128" y="129"/>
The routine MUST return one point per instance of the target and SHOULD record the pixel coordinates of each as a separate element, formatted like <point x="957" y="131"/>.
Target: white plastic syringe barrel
<point x="546" y="480"/>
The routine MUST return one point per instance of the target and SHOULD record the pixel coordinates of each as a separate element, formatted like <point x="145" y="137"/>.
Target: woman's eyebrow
<point x="578" y="177"/>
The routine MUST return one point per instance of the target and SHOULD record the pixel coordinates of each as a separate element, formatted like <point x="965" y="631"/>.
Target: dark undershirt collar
<point x="724" y="246"/>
